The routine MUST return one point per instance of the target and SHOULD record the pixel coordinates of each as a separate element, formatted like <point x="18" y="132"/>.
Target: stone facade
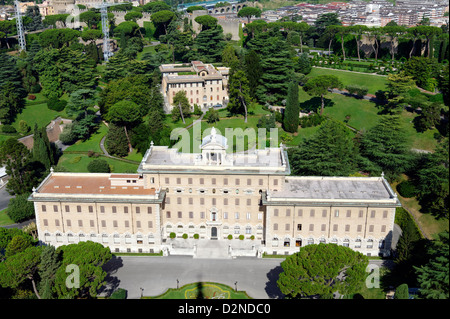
<point x="214" y="195"/>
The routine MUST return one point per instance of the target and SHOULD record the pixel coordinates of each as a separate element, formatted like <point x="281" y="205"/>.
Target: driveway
<point x="156" y="274"/>
<point x="4" y="198"/>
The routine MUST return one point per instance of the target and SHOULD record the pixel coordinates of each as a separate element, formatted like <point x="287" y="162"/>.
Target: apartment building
<point x="215" y="194"/>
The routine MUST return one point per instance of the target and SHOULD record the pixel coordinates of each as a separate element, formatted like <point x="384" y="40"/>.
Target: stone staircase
<point x="215" y="249"/>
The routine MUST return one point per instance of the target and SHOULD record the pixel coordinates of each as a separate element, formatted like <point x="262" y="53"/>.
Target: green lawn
<point x="372" y="82"/>
<point x="208" y="290"/>
<point x="4" y="219"/>
<point x="78" y="163"/>
<point x="91" y="144"/>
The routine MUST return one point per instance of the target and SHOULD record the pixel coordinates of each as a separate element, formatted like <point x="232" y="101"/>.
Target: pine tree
<point x="209" y="44"/>
<point x="387" y="145"/>
<point x="253" y="70"/>
<point x="116" y="141"/>
<point x="291" y="112"/>
<point x="42" y="149"/>
<point x="238" y="93"/>
<point x="433" y="277"/>
<point x="49" y="264"/>
<point x="329" y="152"/>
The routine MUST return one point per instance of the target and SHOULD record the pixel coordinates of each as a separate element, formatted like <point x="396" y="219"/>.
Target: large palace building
<point x="246" y="202"/>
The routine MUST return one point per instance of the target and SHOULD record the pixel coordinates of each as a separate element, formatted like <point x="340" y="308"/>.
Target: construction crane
<point x="105" y="28"/>
<point x="19" y="25"/>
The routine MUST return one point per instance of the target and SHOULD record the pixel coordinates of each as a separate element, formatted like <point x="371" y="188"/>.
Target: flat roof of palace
<point x="91" y="184"/>
<point x="360" y="188"/>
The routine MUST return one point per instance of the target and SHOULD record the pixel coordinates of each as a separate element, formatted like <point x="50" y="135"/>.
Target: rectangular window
<point x="202" y="181"/>
<point x="249" y="202"/>
<point x="125" y="209"/>
<point x="138" y="224"/>
<point x="225" y="201"/>
<point x="150" y="224"/>
<point x="80" y="223"/>
<point x="180" y="215"/>
<point x="383" y="228"/>
<point x="236" y="202"/>
<point x="300" y="213"/>
<point x="311" y="227"/>
<point x="225" y="215"/>
<point x="336" y="213"/>
<point x="167" y="214"/>
<point x="103" y="223"/>
<point x="372" y="214"/>
<point x="43" y="208"/>
<point x="166" y="180"/>
<point x="114" y="223"/>
<point x="55" y="208"/>
<point x="347" y="228"/>
<point x="102" y="209"/>
<point x="202" y="215"/>
<point x="248" y="216"/>
<point x="249" y="182"/>
<point x="178" y="181"/>
<point x="178" y="200"/>
<point x="114" y="209"/>
<point x="286" y="227"/>
<point x="299" y="226"/>
<point x="349" y="213"/>
<point x="335" y="227"/>
<point x="275" y="226"/>
<point x="236" y="215"/>
<point x="361" y="214"/>
<point x="275" y="212"/>
<point x="45" y="222"/>
<point x="275" y="182"/>
<point x="191" y="215"/>
<point x="57" y="222"/>
<point x="359" y="228"/>
<point x="260" y="216"/>
<point x="127" y="223"/>
<point x="385" y="213"/>
<point x="69" y="223"/>
<point x="67" y="208"/>
<point x="78" y="209"/>
<point x="323" y="227"/>
<point x="138" y="210"/>
<point x="149" y="210"/>
<point x="90" y="209"/>
<point x="225" y="181"/>
<point x="371" y="229"/>
<point x="324" y="213"/>
<point x="288" y="212"/>
<point x="312" y="213"/>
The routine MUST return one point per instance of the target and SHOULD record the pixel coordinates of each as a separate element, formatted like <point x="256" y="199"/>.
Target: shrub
<point x="119" y="294"/>
<point x="56" y="105"/>
<point x="6" y="128"/>
<point x="357" y="90"/>
<point x="311" y="120"/>
<point x="230" y="237"/>
<point x="241" y="237"/>
<point x="401" y="292"/>
<point x="196" y="236"/>
<point x="185" y="236"/>
<point x="172" y="235"/>
<point x="252" y="237"/>
<point x="20" y="209"/>
<point x="31" y="97"/>
<point x="98" y="166"/>
<point x="406" y="189"/>
<point x="36" y="88"/>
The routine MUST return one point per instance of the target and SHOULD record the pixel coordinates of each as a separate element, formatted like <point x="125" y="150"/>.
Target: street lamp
<point x="142" y="292"/>
<point x="235" y="286"/>
<point x="178" y="282"/>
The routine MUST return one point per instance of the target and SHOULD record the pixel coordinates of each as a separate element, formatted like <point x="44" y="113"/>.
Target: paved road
<point x="156" y="274"/>
<point x="4" y="198"/>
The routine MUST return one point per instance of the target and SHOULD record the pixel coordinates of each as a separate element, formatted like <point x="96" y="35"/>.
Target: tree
<point x="433" y="277"/>
<point x="20" y="209"/>
<point x="126" y="114"/>
<point x="92" y="18"/>
<point x="21" y="267"/>
<point x="209" y="44"/>
<point x="304" y="64"/>
<point x="402" y="292"/>
<point x="393" y="32"/>
<point x="387" y="145"/>
<point x="24" y="174"/>
<point x="331" y="31"/>
<point x="116" y="141"/>
<point x="89" y="257"/>
<point x="421" y="69"/>
<point x="322" y="270"/>
<point x="133" y="16"/>
<point x="43" y="151"/>
<point x="50" y="261"/>
<point x="162" y="19"/>
<point x="206" y="21"/>
<point x="343" y="31"/>
<point x="181" y="107"/>
<point x="358" y="31"/>
<point x="98" y="166"/>
<point x="238" y="93"/>
<point x="253" y="70"/>
<point x="249" y="12"/>
<point x="433" y="182"/>
<point x="329" y="152"/>
<point x="291" y="112"/>
<point x="319" y="86"/>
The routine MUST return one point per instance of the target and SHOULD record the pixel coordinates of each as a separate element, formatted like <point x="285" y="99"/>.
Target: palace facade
<point x="215" y="194"/>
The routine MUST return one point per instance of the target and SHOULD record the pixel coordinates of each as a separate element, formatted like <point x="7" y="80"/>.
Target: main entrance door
<point x="213" y="232"/>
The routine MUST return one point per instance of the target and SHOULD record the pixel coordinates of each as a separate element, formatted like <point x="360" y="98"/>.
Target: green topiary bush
<point x="98" y="166"/>
<point x="172" y="235"/>
<point x="406" y="189"/>
<point x="119" y="294"/>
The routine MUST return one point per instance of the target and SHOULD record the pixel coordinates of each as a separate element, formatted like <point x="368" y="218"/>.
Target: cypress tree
<point x="42" y="149"/>
<point x="292" y="109"/>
